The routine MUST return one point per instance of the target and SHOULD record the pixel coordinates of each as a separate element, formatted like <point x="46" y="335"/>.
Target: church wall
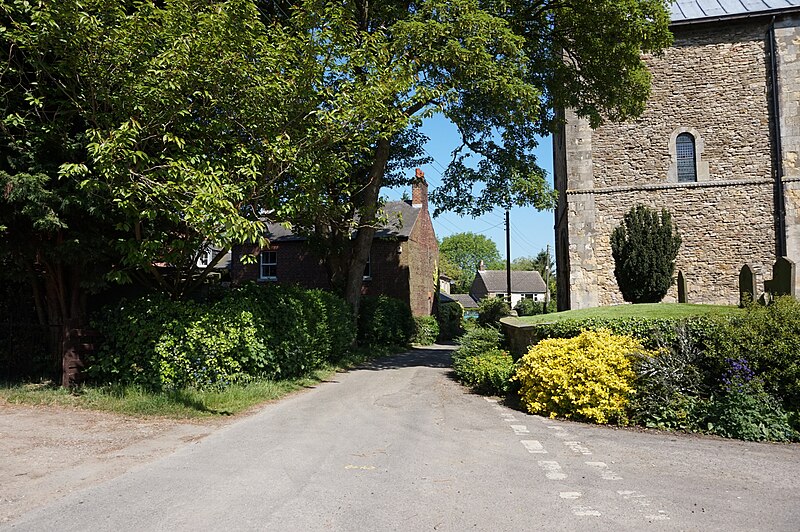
<point x="787" y="36"/>
<point x="712" y="82"/>
<point x="722" y="228"/>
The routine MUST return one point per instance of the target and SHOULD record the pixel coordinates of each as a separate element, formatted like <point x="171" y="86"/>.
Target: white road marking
<point x="660" y="516"/>
<point x="520" y="429"/>
<point x="585" y="511"/>
<point x="552" y="470"/>
<point x="577" y="447"/>
<point x="572" y="495"/>
<point x="533" y="446"/>
<point x="490" y="400"/>
<point x="642" y="501"/>
<point x="606" y="473"/>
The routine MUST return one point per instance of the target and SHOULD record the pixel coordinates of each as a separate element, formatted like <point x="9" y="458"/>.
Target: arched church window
<point x="687" y="158"/>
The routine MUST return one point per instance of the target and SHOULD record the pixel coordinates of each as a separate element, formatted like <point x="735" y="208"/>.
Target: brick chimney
<point x="419" y="190"/>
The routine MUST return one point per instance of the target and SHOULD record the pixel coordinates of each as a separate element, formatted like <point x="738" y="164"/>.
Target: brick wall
<point x="423" y="256"/>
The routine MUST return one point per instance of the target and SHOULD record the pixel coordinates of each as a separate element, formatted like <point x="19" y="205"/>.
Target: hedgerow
<point x="254" y="331"/>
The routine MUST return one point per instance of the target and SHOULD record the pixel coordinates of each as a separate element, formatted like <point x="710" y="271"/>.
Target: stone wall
<point x="787" y="37"/>
<point x="714" y="82"/>
<point x="722" y="227"/>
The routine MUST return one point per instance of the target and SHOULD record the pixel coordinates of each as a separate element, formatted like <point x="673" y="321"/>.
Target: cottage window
<point x="269" y="265"/>
<point x="687" y="158"/>
<point x="368" y="268"/>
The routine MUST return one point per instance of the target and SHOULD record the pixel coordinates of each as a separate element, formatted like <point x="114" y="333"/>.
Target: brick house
<point x="718" y="146"/>
<point x="403" y="261"/>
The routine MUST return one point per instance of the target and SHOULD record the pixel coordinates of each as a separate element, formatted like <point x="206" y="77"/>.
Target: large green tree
<point x="497" y="69"/>
<point x="137" y="134"/>
<point x="467" y="251"/>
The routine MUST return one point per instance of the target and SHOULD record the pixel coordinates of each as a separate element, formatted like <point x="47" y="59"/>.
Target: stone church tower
<point x="718" y="146"/>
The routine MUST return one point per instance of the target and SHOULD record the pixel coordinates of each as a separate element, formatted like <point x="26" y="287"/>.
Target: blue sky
<point x="531" y="230"/>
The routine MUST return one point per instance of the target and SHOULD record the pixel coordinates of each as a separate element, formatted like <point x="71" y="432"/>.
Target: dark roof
<point x="684" y="11"/>
<point x="522" y="282"/>
<point x="466" y="300"/>
<point x="400" y="220"/>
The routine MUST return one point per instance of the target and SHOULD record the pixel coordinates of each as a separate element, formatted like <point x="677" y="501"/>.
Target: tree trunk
<point x="367" y="200"/>
<point x="61" y="301"/>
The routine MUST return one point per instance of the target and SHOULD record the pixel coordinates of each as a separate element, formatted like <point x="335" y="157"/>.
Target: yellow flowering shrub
<point x="589" y="377"/>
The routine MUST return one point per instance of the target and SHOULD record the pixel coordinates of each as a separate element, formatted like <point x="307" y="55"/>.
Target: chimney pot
<point x="419" y="190"/>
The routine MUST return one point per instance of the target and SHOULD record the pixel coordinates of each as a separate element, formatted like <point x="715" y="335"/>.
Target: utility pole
<point x="508" y="259"/>
<point x="547" y="279"/>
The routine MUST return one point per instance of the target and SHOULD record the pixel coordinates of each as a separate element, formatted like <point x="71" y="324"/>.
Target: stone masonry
<point x="714" y="83"/>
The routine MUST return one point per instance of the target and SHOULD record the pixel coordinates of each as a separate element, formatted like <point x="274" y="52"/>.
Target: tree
<point x="644" y="248"/>
<point x="135" y="136"/>
<point x="497" y="70"/>
<point x="467" y="251"/>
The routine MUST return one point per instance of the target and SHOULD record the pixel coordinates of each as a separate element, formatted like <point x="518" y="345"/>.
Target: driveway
<point x="398" y="445"/>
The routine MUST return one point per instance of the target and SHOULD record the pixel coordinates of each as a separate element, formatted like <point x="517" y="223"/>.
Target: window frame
<point x="262" y="263"/>
<point x="686" y="157"/>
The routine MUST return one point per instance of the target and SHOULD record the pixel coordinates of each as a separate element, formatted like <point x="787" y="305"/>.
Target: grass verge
<point x="642" y="310"/>
<point x="178" y="404"/>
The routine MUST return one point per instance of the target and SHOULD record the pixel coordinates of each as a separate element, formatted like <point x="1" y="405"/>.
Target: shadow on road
<point x="434" y="357"/>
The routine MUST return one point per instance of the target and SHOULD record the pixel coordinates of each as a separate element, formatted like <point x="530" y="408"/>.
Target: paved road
<point x="398" y="445"/>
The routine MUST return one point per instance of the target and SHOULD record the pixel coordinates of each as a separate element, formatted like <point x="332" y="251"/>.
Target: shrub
<point x="491" y="310"/>
<point x="651" y="332"/>
<point x="477" y="341"/>
<point x="384" y="321"/>
<point x="426" y="330"/>
<point x="589" y="377"/>
<point x="529" y="307"/>
<point x="450" y="317"/>
<point x="747" y="412"/>
<point x="487" y="373"/>
<point x="768" y="337"/>
<point x="667" y="385"/>
<point x="644" y="248"/>
<point x="254" y="331"/>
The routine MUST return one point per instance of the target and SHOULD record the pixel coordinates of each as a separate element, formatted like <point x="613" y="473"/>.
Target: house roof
<point x="466" y="300"/>
<point x="522" y="282"/>
<point x="400" y="220"/>
<point x="688" y="11"/>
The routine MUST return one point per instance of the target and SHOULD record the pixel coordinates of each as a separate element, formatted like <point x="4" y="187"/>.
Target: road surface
<point x="398" y="445"/>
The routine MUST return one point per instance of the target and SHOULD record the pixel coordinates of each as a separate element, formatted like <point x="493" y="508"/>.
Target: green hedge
<point x="255" y="331"/>
<point x="732" y="375"/>
<point x="450" y="317"/>
<point x="426" y="330"/>
<point x="384" y="321"/>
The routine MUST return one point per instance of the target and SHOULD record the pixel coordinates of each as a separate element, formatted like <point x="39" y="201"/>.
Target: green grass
<point x="644" y="310"/>
<point x="179" y="404"/>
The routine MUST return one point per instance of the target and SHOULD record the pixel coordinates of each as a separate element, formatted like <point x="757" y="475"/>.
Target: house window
<point x="368" y="268"/>
<point x="687" y="158"/>
<point x="527" y="296"/>
<point x="269" y="265"/>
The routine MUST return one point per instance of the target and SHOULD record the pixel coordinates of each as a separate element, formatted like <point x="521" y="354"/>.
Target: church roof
<point x="684" y="11"/>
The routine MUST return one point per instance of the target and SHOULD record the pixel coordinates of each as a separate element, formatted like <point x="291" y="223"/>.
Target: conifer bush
<point x="644" y="248"/>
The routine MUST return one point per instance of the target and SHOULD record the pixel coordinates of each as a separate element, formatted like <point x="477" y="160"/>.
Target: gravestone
<point x="682" y="288"/>
<point x="783" y="272"/>
<point x="747" y="285"/>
